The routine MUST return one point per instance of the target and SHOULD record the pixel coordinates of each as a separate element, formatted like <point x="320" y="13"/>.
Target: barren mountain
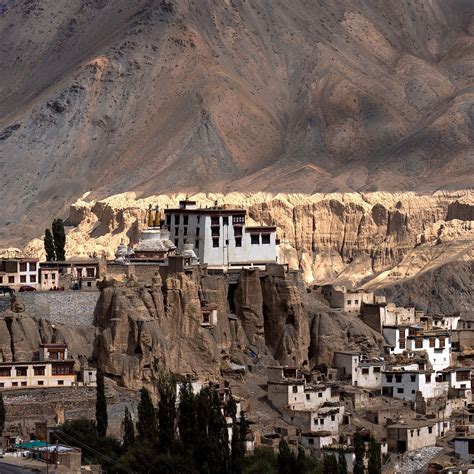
<point x="158" y="96"/>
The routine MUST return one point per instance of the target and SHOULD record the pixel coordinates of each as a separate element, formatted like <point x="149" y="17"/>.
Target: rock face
<point x="21" y="334"/>
<point x="155" y="96"/>
<point x="146" y="328"/>
<point x="346" y="238"/>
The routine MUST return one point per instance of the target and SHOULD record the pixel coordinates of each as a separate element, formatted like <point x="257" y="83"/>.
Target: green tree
<point x="330" y="464"/>
<point x="128" y="430"/>
<point x="359" y="448"/>
<point x="342" y="463"/>
<point x="301" y="461"/>
<point x="286" y="459"/>
<point x="187" y="421"/>
<point x="59" y="236"/>
<point x="147" y="425"/>
<point x="2" y="414"/>
<point x="239" y="435"/>
<point x="375" y="458"/>
<point x="101" y="405"/>
<point x="49" y="246"/>
<point x="166" y="414"/>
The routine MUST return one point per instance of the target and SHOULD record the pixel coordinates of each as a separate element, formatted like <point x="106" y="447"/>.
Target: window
<point x="45" y="276"/>
<point x="418" y="432"/>
<point x="89" y="284"/>
<point x="32" y="266"/>
<point x="310" y="441"/>
<point x="168" y="220"/>
<point x="1" y="279"/>
<point x="38" y="371"/>
<point x="196" y="244"/>
<point x="308" y="397"/>
<point x="238" y="220"/>
<point x="412" y="432"/>
<point x="400" y="390"/>
<point x="398" y="378"/>
<point x="185" y="220"/>
<point x="22" y="267"/>
<point x="419" y="343"/>
<point x="402" y="344"/>
<point x="23" y="384"/>
<point x="53" y="276"/>
<point x="5" y="371"/>
<point x="22" y="278"/>
<point x="14" y="384"/>
<point x="428" y="378"/>
<point x="320" y="395"/>
<point x="238" y="241"/>
<point x="333" y="418"/>
<point x="413" y="378"/>
<point x="90" y="272"/>
<point x="430" y="429"/>
<point x="177" y="219"/>
<point x="225" y="221"/>
<point x="60" y="382"/>
<point x="432" y="342"/>
<point x="389" y="378"/>
<point x="413" y="392"/>
<point x="176" y="242"/>
<point x="215" y="242"/>
<point x="321" y="421"/>
<point x="62" y="369"/>
<point x="32" y="278"/>
<point x="215" y="220"/>
<point x="215" y="231"/>
<point x="295" y="389"/>
<point x="365" y="371"/>
<point x="198" y="230"/>
<point x="2" y="385"/>
<point x="40" y="382"/>
<point x="265" y="239"/>
<point x="238" y="231"/>
<point x="376" y="370"/>
<point x="255" y="239"/>
<point x="21" y="371"/>
<point x="356" y="301"/>
<point x="441" y="342"/>
<point x="11" y="279"/>
<point x="349" y="302"/>
<point x="185" y="231"/>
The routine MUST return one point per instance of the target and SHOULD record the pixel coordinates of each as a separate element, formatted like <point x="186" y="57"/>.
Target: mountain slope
<point x="166" y="96"/>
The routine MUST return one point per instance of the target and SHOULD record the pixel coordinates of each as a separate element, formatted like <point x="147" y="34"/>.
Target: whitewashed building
<point x="221" y="237"/>
<point x="326" y="418"/>
<point x="364" y="373"/>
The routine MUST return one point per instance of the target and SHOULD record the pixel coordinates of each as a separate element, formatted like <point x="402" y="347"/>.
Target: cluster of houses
<point x="408" y="398"/>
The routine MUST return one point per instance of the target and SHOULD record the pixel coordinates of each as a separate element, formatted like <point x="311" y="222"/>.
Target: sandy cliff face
<point x="159" y="96"/>
<point x="372" y="239"/>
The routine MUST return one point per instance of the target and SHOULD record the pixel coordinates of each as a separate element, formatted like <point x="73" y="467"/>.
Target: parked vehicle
<point x="6" y="289"/>
<point x="26" y="288"/>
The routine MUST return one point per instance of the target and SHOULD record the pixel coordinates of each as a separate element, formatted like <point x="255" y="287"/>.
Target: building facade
<point x="18" y="272"/>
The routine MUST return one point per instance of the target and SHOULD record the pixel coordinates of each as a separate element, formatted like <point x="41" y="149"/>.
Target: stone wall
<point x="63" y="307"/>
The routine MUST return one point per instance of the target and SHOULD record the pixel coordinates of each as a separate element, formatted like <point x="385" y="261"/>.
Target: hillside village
<point x="244" y="308"/>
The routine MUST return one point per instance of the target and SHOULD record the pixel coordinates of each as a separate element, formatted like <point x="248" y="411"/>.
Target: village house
<point x="221" y="237"/>
<point x="436" y="344"/>
<point x="317" y="441"/>
<point x="456" y="377"/>
<point x="326" y="418"/>
<point x="365" y="373"/>
<point x="54" y="368"/>
<point x="448" y="322"/>
<point x="79" y="273"/>
<point x="18" y="272"/>
<point x="464" y="447"/>
<point x="349" y="300"/>
<point x="404" y="383"/>
<point x="377" y="315"/>
<point x="414" y="434"/>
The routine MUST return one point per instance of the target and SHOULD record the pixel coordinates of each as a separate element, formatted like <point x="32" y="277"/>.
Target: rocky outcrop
<point x="147" y="328"/>
<point x="347" y="238"/>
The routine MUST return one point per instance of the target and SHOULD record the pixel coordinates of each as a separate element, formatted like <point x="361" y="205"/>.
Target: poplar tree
<point x="49" y="246"/>
<point x="101" y="405"/>
<point x="187" y="422"/>
<point x="286" y="459"/>
<point x="2" y="414"/>
<point x="239" y="435"/>
<point x="147" y="425"/>
<point x="375" y="460"/>
<point x="59" y="236"/>
<point x="359" y="448"/>
<point x="166" y="414"/>
<point x="330" y="464"/>
<point x="128" y="430"/>
<point x="342" y="463"/>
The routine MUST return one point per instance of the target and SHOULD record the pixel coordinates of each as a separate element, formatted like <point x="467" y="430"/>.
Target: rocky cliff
<point x="372" y="239"/>
<point x="263" y="319"/>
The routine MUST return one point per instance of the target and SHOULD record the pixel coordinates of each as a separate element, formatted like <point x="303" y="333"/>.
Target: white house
<point x="365" y="373"/>
<point x="464" y="447"/>
<point x="457" y="377"/>
<point x="405" y="384"/>
<point x="18" y="272"/>
<point x="221" y="237"/>
<point x="327" y="418"/>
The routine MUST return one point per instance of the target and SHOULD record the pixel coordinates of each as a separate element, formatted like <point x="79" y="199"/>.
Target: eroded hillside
<point x="158" y="96"/>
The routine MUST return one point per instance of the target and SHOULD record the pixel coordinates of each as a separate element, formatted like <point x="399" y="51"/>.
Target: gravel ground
<point x="416" y="460"/>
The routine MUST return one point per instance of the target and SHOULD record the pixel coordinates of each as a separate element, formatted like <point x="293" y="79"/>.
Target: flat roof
<point x="207" y="211"/>
<point x="414" y="423"/>
<point x="254" y="228"/>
